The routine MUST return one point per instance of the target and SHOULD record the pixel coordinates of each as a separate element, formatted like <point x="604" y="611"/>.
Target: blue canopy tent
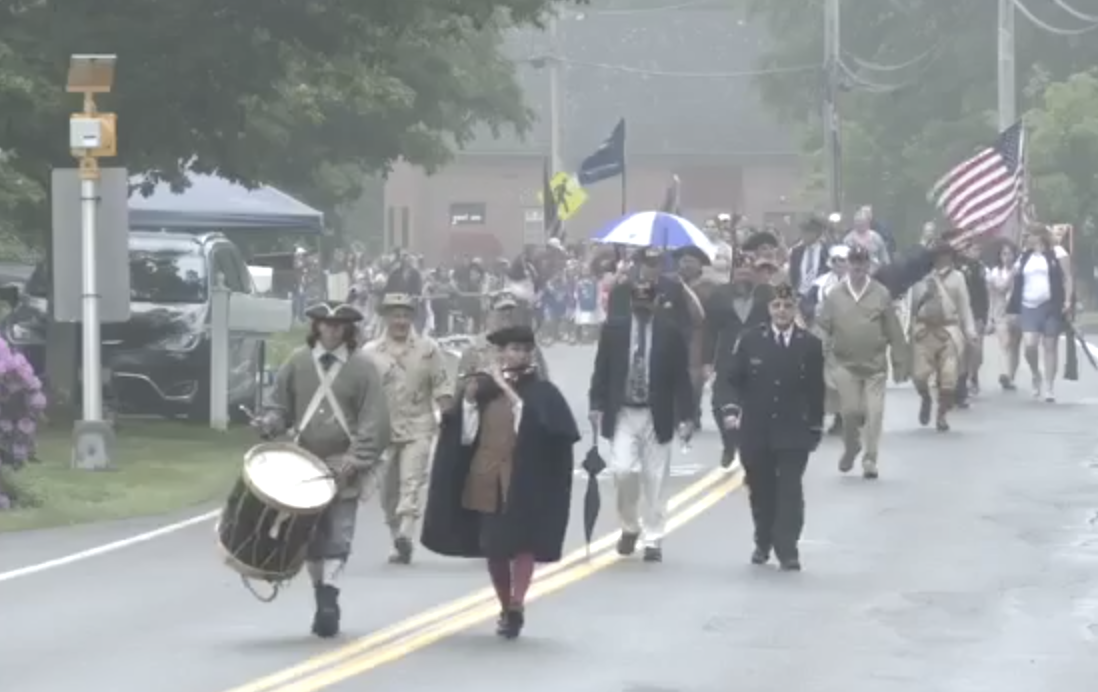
<point x="216" y="203"/>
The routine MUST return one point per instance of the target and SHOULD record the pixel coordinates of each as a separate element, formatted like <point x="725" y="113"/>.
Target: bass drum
<point x="273" y="510"/>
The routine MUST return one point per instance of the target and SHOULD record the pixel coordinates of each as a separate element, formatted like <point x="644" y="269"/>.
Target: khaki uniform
<point x="942" y="326"/>
<point x="415" y="378"/>
<point x="860" y="333"/>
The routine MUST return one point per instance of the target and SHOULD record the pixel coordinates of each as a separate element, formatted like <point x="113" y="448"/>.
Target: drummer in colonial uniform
<point x="331" y="395"/>
<point x="416" y="380"/>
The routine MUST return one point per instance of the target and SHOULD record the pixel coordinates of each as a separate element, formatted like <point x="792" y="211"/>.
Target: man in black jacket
<point x="975" y="275"/>
<point x="731" y="309"/>
<point x="640" y="392"/>
<point x="808" y="262"/>
<point x="775" y="398"/>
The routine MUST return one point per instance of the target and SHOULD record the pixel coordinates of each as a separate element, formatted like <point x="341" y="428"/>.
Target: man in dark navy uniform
<point x="774" y="396"/>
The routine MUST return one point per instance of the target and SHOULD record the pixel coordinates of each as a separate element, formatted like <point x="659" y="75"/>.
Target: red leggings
<point x="511" y="578"/>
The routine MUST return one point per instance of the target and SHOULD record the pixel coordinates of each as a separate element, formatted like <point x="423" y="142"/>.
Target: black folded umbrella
<point x="593" y="464"/>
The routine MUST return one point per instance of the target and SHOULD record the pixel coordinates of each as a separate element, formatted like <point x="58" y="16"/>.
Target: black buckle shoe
<point x="627" y="543"/>
<point x="511" y="622"/>
<point x="326" y="619"/>
<point x="653" y="554"/>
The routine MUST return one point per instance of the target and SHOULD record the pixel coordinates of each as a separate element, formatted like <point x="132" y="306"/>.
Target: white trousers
<point x="641" y="467"/>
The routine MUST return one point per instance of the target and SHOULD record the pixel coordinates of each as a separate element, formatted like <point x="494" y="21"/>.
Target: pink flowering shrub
<point x="22" y="404"/>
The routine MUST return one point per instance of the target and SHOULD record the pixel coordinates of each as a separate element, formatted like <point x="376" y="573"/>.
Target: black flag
<point x="608" y="161"/>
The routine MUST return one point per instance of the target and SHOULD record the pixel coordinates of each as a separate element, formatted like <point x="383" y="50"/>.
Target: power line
<point x="1041" y="24"/>
<point x="1062" y="4"/>
<point x="649" y="10"/>
<point x="880" y="67"/>
<point x="537" y="61"/>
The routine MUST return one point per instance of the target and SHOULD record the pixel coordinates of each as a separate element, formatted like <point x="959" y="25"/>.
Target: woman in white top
<point x="1000" y="282"/>
<point x="1040" y="298"/>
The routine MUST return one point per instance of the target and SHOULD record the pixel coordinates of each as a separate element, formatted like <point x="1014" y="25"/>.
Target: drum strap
<point x="324" y="392"/>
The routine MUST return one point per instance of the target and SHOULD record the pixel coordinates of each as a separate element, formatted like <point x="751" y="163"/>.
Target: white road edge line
<point x="108" y="548"/>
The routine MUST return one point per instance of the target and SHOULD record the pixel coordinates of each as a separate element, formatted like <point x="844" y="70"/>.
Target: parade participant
<point x="942" y="326"/>
<point x="836" y="263"/>
<point x="762" y="245"/>
<point x="860" y="331"/>
<point x="972" y="268"/>
<point x="808" y="260"/>
<point x="697" y="287"/>
<point x="640" y="391"/>
<point x="733" y="308"/>
<point x="416" y="379"/>
<point x="1000" y="281"/>
<point x="870" y="240"/>
<point x="1040" y="299"/>
<point x="774" y="398"/>
<point x="588" y="311"/>
<point x="331" y="394"/>
<point x="767" y="271"/>
<point x="501" y="482"/>
<point x="482" y="354"/>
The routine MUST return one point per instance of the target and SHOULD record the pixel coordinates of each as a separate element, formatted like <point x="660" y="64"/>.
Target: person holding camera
<point x="773" y="395"/>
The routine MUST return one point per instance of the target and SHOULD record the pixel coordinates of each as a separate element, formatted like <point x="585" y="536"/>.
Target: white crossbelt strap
<point x="324" y="392"/>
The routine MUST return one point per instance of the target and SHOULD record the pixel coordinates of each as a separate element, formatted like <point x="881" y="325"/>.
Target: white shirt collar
<point x="340" y="353"/>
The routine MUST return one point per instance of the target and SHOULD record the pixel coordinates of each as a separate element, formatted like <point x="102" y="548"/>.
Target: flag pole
<point x="624" y="171"/>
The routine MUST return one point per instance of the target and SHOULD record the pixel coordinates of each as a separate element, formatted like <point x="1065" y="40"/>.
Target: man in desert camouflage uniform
<point x="416" y="381"/>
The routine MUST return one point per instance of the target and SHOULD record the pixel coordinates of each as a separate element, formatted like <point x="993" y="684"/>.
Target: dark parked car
<point x="159" y="361"/>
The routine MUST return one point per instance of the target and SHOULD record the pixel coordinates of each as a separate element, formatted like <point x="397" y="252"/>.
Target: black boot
<point x="925" y="405"/>
<point x="836" y="425"/>
<point x="402" y="552"/>
<point x="326" y="620"/>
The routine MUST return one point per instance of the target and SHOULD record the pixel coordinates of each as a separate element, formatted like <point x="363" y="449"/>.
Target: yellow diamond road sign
<point x="568" y="194"/>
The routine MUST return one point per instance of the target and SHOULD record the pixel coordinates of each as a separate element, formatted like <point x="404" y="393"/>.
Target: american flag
<point x="984" y="192"/>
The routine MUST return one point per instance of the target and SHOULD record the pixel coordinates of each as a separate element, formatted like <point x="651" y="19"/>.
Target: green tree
<point x="259" y="91"/>
<point x="903" y="128"/>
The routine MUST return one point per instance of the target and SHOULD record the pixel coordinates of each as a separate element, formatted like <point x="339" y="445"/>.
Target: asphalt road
<point x="166" y="615"/>
<point x="970" y="566"/>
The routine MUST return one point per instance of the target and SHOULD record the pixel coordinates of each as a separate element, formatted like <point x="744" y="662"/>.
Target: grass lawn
<point x="160" y="467"/>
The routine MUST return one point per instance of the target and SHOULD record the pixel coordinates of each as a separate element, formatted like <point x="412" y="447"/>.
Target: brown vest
<point x="490" y="471"/>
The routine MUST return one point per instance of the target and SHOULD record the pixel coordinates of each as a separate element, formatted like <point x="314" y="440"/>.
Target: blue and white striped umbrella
<point x="656" y="229"/>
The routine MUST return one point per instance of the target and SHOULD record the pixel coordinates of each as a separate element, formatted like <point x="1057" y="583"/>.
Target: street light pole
<point x="555" y="117"/>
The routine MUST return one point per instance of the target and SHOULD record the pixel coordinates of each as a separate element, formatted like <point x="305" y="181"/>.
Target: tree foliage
<point x="298" y="93"/>
<point x="903" y="128"/>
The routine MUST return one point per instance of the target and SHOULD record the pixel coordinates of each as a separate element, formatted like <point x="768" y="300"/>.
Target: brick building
<point x="677" y="78"/>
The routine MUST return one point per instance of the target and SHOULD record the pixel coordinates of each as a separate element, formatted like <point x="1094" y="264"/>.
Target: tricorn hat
<point x="397" y="300"/>
<point x="692" y="251"/>
<point x="516" y="334"/>
<point x="334" y="311"/>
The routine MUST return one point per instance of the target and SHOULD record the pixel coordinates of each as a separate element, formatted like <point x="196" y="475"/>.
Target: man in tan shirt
<point x="942" y="327"/>
<point x="860" y="330"/>
<point x="416" y="380"/>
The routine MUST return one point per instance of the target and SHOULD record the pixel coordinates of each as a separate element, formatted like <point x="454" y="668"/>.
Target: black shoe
<point x="501" y="624"/>
<point x="836" y="426"/>
<point x="760" y="556"/>
<point x="326" y="620"/>
<point x="627" y="544"/>
<point x="653" y="554"/>
<point x="791" y="565"/>
<point x="511" y="623"/>
<point x="925" y="406"/>
<point x="728" y="457"/>
<point x="402" y="552"/>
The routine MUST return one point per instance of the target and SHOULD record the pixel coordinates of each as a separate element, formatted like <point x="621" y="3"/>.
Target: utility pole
<point x="831" y="123"/>
<point x="1007" y="73"/>
<point x="555" y="117"/>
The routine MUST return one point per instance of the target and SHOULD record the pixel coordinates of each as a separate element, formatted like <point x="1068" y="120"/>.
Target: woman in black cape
<point x="502" y="490"/>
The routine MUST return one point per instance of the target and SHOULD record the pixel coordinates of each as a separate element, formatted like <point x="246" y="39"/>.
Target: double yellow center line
<point x="417" y="632"/>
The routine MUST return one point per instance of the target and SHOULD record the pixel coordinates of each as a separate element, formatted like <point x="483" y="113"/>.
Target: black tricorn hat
<point x="334" y="311"/>
<point x="692" y="251"/>
<point x="759" y="239"/>
<point x="517" y="334"/>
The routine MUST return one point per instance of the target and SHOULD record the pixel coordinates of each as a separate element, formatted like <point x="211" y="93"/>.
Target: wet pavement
<point x="971" y="565"/>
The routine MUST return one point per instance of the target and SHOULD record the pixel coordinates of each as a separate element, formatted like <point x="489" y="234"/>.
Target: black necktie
<point x="327" y="360"/>
<point x="782" y="339"/>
